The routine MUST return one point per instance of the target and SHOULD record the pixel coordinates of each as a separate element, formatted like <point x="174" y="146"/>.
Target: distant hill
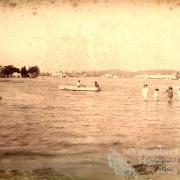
<point x="119" y="73"/>
<point x="162" y="71"/>
<point x="116" y="72"/>
<point x="122" y="73"/>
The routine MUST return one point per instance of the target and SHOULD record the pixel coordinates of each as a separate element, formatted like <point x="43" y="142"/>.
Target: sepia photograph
<point x="90" y="90"/>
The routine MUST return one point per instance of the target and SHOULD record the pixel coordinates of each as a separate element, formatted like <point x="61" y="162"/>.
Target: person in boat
<point x="170" y="93"/>
<point x="78" y="84"/>
<point x="145" y="92"/>
<point x="96" y="84"/>
<point x="156" y="94"/>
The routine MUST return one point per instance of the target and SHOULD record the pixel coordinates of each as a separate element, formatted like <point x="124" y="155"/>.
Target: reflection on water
<point x="36" y="117"/>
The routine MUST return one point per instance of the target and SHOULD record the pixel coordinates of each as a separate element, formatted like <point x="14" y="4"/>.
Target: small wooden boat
<point x="75" y="88"/>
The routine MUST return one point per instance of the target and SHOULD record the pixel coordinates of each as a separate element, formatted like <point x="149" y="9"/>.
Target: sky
<point x="77" y="35"/>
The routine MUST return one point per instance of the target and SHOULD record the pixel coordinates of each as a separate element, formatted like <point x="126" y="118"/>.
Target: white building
<point x="16" y="75"/>
<point x="108" y="75"/>
<point x="58" y="74"/>
<point x="157" y="76"/>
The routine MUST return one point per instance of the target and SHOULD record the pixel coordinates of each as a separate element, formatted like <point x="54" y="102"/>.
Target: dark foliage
<point x="33" y="71"/>
<point x="7" y="71"/>
<point x="24" y="72"/>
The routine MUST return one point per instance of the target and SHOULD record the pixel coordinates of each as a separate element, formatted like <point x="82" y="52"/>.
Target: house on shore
<point x="59" y="74"/>
<point x="158" y="76"/>
<point x="16" y="75"/>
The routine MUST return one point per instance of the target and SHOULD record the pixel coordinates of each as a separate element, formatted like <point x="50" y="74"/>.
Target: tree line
<point x="9" y="70"/>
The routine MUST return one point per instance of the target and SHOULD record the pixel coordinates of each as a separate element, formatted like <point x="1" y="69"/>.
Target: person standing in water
<point x="179" y="93"/>
<point x="156" y="94"/>
<point x="145" y="92"/>
<point x="170" y="93"/>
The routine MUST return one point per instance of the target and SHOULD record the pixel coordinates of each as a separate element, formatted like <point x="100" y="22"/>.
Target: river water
<point x="38" y="120"/>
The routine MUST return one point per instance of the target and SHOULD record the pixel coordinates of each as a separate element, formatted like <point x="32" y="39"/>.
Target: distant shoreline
<point x="110" y="73"/>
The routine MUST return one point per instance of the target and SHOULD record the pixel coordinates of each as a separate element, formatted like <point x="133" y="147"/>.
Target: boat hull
<point x="74" y="88"/>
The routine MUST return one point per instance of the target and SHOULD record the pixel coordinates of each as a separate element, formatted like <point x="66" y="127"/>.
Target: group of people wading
<point x="169" y="92"/>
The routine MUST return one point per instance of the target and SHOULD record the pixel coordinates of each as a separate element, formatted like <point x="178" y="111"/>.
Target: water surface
<point x="39" y="120"/>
